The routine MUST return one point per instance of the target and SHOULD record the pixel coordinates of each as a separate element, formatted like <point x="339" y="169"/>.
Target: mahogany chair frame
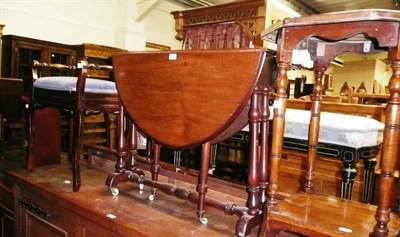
<point x="78" y="102"/>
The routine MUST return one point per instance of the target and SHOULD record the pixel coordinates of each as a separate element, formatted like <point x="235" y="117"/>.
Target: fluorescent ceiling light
<point x="279" y="4"/>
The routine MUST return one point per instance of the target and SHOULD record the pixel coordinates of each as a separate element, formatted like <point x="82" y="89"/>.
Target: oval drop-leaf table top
<point x="185" y="98"/>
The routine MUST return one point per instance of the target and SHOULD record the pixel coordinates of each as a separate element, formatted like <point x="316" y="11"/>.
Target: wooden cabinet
<point x="40" y="212"/>
<point x="11" y="129"/>
<point x="6" y="211"/>
<point x="97" y="54"/>
<point x="19" y="52"/>
<point x="45" y="206"/>
<point x="38" y="216"/>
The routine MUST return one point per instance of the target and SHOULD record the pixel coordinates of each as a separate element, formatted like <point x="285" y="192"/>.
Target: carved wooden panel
<point x="249" y="14"/>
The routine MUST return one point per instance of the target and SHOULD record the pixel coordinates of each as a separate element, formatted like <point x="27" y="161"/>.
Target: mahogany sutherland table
<point x="187" y="98"/>
<point x="326" y="36"/>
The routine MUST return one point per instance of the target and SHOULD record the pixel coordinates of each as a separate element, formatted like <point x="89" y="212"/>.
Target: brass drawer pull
<point x="33" y="207"/>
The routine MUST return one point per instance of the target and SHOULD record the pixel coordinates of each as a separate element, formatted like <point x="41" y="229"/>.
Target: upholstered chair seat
<point x="68" y="83"/>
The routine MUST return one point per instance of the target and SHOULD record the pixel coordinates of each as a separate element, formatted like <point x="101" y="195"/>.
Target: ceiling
<point x="314" y="6"/>
<point x="324" y="6"/>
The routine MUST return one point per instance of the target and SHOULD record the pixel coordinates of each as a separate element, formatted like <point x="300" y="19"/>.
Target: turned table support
<point x="278" y="130"/>
<point x="390" y="149"/>
<point x="253" y="182"/>
<point x="313" y="132"/>
<point x="263" y="172"/>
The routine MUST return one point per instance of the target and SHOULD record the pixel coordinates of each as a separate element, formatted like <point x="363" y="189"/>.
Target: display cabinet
<point x="19" y="53"/>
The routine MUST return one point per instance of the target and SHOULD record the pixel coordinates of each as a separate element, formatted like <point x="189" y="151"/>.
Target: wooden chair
<point x="76" y="93"/>
<point x="161" y="91"/>
<point x="326" y="36"/>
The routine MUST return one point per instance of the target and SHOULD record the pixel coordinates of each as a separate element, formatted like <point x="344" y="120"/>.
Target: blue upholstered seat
<point x="65" y="83"/>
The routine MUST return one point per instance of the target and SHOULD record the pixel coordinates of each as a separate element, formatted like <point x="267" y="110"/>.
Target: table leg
<point x="278" y="126"/>
<point x="202" y="185"/>
<point x="313" y="132"/>
<point x="253" y="176"/>
<point x="264" y="145"/>
<point x="389" y="154"/>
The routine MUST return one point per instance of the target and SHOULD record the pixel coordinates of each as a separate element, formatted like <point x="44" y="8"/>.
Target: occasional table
<point x="326" y="36"/>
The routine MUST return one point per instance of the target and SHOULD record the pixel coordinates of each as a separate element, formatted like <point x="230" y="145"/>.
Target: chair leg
<point x="77" y="144"/>
<point x="30" y="152"/>
<point x="70" y="137"/>
<point x="202" y="185"/>
<point x="111" y="127"/>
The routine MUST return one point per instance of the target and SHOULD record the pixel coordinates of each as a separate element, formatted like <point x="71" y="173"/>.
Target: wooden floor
<point x="165" y="216"/>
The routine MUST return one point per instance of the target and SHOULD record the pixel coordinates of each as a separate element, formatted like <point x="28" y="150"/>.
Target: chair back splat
<point x="183" y="99"/>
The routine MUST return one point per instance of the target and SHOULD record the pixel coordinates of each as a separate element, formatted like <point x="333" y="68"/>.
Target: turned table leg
<point x="389" y="153"/>
<point x="202" y="182"/>
<point x="120" y="166"/>
<point x="313" y="132"/>
<point x="278" y="126"/>
<point x="264" y="144"/>
<point x="253" y="181"/>
<point x="155" y="168"/>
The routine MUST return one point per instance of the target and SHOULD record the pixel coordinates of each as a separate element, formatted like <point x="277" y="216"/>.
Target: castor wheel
<point x="140" y="182"/>
<point x="151" y="197"/>
<point x="114" y="191"/>
<point x="203" y="220"/>
<point x="153" y="194"/>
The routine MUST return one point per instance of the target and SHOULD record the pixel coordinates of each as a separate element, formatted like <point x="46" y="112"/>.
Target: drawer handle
<point x="33" y="207"/>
